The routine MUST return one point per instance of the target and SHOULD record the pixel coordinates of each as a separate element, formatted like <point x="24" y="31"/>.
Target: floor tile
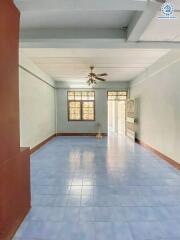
<point x="61" y="200"/>
<point x="71" y="214"/>
<point x="147" y="230"/>
<point x="79" y="231"/>
<point x="103" y="231"/>
<point x="41" y="230"/>
<point x="102" y="214"/>
<point x="47" y="213"/>
<point x="115" y="231"/>
<point x="87" y="214"/>
<point x="140" y="213"/>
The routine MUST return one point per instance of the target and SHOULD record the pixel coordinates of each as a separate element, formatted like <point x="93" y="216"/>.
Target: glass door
<point x="117" y="112"/>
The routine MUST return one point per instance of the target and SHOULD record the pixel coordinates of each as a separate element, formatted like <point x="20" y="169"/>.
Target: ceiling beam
<point x="141" y="20"/>
<point x="80" y="5"/>
<point x="113" y="43"/>
<point x="73" y="34"/>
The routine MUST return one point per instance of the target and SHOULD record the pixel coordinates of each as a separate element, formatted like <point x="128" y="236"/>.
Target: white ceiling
<point x="163" y="29"/>
<point x="73" y="64"/>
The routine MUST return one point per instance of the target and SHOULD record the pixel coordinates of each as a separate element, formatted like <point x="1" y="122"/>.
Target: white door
<point x="121" y="117"/>
<point x="111" y="117"/>
<point x="116" y="117"/>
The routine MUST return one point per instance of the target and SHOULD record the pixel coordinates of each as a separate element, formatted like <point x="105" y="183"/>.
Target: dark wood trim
<point x="34" y="149"/>
<point x="80" y="134"/>
<point x="161" y="155"/>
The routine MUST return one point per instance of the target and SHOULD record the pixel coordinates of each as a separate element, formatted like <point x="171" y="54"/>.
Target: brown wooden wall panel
<point x="9" y="87"/>
<point x="14" y="193"/>
<point x="14" y="164"/>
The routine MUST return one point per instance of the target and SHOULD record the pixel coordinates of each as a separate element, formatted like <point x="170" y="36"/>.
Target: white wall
<point x="65" y="126"/>
<point x="157" y="91"/>
<point x="37" y="104"/>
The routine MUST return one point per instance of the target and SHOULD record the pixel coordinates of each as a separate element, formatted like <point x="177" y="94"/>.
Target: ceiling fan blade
<point x="102" y="74"/>
<point x="89" y="82"/>
<point x="100" y="79"/>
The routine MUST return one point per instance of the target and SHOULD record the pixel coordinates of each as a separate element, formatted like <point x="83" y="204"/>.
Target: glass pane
<point x="123" y="93"/>
<point x="85" y="104"/>
<point x="84" y="96"/>
<point x="70" y="95"/>
<point x="117" y="95"/>
<point x="91" y="116"/>
<point x="85" y="116"/>
<point x="74" y="104"/>
<point x="78" y="116"/>
<point x="111" y="93"/>
<point x="85" y="110"/>
<point x="121" y="97"/>
<point x="112" y="98"/>
<point x="74" y="111"/>
<point x="78" y="104"/>
<point x="91" y="95"/>
<point x="71" y="98"/>
<point x="77" y="95"/>
<point x="88" y="111"/>
<point x="91" y="104"/>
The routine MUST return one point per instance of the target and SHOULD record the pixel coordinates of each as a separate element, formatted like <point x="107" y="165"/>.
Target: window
<point x="81" y="105"/>
<point x="117" y="95"/>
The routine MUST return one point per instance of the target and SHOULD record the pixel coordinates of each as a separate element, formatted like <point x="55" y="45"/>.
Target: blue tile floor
<point x="109" y="189"/>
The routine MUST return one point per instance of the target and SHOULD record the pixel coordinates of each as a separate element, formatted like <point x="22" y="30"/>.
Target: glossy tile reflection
<point x="83" y="188"/>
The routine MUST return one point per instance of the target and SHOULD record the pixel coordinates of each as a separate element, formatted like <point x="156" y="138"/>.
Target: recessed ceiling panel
<point x="73" y="64"/>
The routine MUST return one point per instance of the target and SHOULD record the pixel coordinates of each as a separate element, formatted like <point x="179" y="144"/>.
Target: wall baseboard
<point x="80" y="134"/>
<point x="41" y="144"/>
<point x="161" y="155"/>
<point x="34" y="149"/>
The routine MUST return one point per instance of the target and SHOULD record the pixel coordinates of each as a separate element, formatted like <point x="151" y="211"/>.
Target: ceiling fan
<point x="93" y="77"/>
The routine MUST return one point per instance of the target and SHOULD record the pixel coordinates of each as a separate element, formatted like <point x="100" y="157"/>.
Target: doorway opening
<point x="117" y="112"/>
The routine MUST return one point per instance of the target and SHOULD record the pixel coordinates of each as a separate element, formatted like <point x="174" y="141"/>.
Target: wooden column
<point x="14" y="161"/>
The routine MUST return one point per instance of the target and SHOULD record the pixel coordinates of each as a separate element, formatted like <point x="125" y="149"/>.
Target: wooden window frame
<point x="81" y="107"/>
<point x="117" y="95"/>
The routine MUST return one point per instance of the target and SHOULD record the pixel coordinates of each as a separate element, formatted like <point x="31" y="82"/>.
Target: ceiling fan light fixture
<point x="93" y="77"/>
